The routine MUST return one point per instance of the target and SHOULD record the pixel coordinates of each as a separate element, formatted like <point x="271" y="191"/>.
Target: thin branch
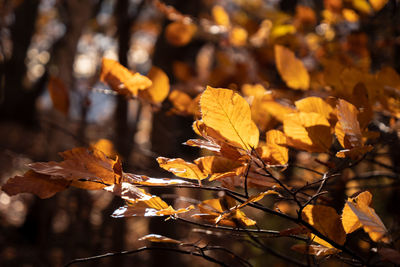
<point x="128" y="252"/>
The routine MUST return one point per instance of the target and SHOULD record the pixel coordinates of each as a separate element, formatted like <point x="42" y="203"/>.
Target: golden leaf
<point x="327" y="221"/>
<point x="357" y="213"/>
<point x="159" y="239"/>
<point x="316" y="250"/>
<point x="181" y="168"/>
<point x="180" y="33"/>
<point x="159" y="89"/>
<point x="275" y="151"/>
<point x="238" y="36"/>
<point x="216" y="166"/>
<point x="105" y="146"/>
<point x="220" y="16"/>
<point x="291" y="69"/>
<point x="378" y="4"/>
<point x="121" y="80"/>
<point x="315" y="104"/>
<point x="308" y="131"/>
<point x="229" y="114"/>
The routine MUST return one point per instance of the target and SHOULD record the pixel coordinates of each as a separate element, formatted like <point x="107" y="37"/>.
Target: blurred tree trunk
<point x="16" y="101"/>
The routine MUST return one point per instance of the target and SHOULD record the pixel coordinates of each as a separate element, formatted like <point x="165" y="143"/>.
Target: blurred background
<point x="197" y="43"/>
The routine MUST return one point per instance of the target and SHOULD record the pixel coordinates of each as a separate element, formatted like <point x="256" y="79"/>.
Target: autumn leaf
<point x="159" y="89"/>
<point x="308" y="131"/>
<point x="44" y="186"/>
<point x="291" y="69"/>
<point x="128" y="192"/>
<point x="180" y="33"/>
<point x="217" y="166"/>
<point x="59" y="94"/>
<point x="220" y="16"/>
<point x="86" y="168"/>
<point x="229" y="114"/>
<point x="358" y="213"/>
<point x="121" y="80"/>
<point x="316" y="250"/>
<point x="183" y="103"/>
<point x="105" y="146"/>
<point x="159" y="239"/>
<point x="153" y="207"/>
<point x="326" y="221"/>
<point x="274" y="152"/>
<point x="145" y="180"/>
<point x="317" y="105"/>
<point x="181" y="168"/>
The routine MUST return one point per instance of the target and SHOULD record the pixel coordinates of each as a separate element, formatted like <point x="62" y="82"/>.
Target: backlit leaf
<point x="357" y="212"/>
<point x="308" y="131"/>
<point x="122" y="80"/>
<point x="220" y="16"/>
<point x="159" y="89"/>
<point x="315" y="104"/>
<point x="229" y="114"/>
<point x="275" y="151"/>
<point x="105" y="146"/>
<point x="327" y="221"/>
<point x="159" y="239"/>
<point x="181" y="168"/>
<point x="316" y="250"/>
<point x="291" y="69"/>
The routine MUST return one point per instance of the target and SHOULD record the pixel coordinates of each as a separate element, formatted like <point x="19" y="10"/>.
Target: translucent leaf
<point x="229" y="114"/>
<point x="44" y="186"/>
<point x="145" y="180"/>
<point x="308" y="131"/>
<point x="291" y="69"/>
<point x="159" y="239"/>
<point x="122" y="80"/>
<point x="275" y="152"/>
<point x="181" y="168"/>
<point x="357" y="213"/>
<point x="315" y="104"/>
<point x="159" y="89"/>
<point x="327" y="221"/>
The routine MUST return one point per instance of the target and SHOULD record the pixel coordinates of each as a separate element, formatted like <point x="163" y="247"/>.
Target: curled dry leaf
<point x="358" y="213"/>
<point x="291" y="69"/>
<point x="181" y="168"/>
<point x="308" y="131"/>
<point x="90" y="165"/>
<point x="327" y="221"/>
<point x="159" y="239"/>
<point x="43" y="186"/>
<point x="122" y="80"/>
<point x="316" y="250"/>
<point x="159" y="88"/>
<point x="229" y="114"/>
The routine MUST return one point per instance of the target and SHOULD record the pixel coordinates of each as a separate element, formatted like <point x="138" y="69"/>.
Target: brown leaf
<point x="389" y="254"/>
<point x="44" y="186"/>
<point x="59" y="94"/>
<point x="79" y="164"/>
<point x="316" y="250"/>
<point x="159" y="239"/>
<point x="180" y="33"/>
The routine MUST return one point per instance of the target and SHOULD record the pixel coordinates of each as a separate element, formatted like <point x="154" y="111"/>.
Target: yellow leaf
<point x="308" y="131"/>
<point x="121" y="80"/>
<point x="378" y="4"/>
<point x="229" y="114"/>
<point x="350" y="15"/>
<point x="215" y="165"/>
<point x="238" y="36"/>
<point x="105" y="146"/>
<point x="362" y="6"/>
<point x="220" y="16"/>
<point x="291" y="69"/>
<point x="181" y="168"/>
<point x="357" y="213"/>
<point x="315" y="104"/>
<point x="180" y="33"/>
<point x="159" y="89"/>
<point x="183" y="103"/>
<point x="327" y="221"/>
<point x="275" y="151"/>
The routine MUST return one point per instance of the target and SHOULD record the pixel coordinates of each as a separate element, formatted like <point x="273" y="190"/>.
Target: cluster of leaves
<point x="247" y="135"/>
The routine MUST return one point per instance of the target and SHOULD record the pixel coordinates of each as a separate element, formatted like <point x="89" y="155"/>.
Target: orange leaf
<point x="159" y="239"/>
<point x="327" y="221"/>
<point x="291" y="69"/>
<point x="180" y="33"/>
<point x="220" y="16"/>
<point x="181" y="168"/>
<point x="229" y="114"/>
<point x="44" y="186"/>
<point x="59" y="94"/>
<point x="159" y="89"/>
<point x="357" y="213"/>
<point x="308" y="131"/>
<point x="121" y="80"/>
<point x="105" y="146"/>
<point x="215" y="165"/>
<point x="316" y="250"/>
<point x="315" y="104"/>
<point x="275" y="151"/>
<point x="183" y="103"/>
